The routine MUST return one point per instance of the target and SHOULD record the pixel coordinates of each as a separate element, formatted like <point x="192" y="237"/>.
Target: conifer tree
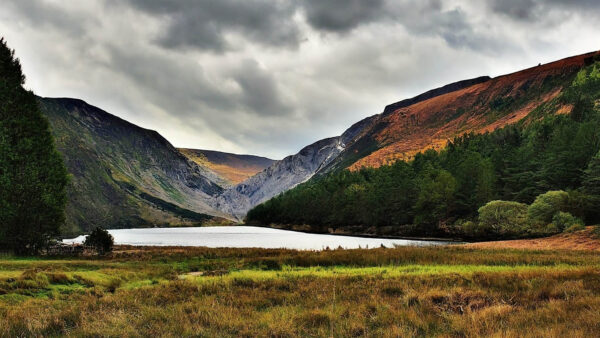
<point x="32" y="174"/>
<point x="591" y="178"/>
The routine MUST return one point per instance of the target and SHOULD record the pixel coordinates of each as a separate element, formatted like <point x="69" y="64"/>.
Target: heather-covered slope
<point x="124" y="176"/>
<point x="429" y="120"/>
<point x="232" y="168"/>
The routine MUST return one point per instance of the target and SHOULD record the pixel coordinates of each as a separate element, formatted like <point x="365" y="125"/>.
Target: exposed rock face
<point x="124" y="175"/>
<point x="280" y="176"/>
<point x="287" y="173"/>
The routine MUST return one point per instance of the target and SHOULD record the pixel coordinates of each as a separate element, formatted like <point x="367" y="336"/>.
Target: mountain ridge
<point x="124" y="175"/>
<point x="404" y="128"/>
<point x="426" y="121"/>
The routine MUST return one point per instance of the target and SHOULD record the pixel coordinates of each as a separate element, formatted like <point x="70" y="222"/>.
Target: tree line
<point x="447" y="193"/>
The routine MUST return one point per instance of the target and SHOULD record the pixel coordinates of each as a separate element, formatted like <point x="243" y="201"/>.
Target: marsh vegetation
<point x="408" y="291"/>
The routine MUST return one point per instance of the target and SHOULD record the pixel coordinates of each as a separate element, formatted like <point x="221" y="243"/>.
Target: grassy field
<point x="444" y="291"/>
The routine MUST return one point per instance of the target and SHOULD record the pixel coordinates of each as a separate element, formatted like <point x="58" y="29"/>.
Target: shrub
<point x="100" y="240"/>
<point x="575" y="227"/>
<point x="564" y="221"/>
<point x="470" y="228"/>
<point x="504" y="217"/>
<point x="546" y="205"/>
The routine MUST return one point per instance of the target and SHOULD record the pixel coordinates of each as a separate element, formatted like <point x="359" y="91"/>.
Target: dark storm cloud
<point x="204" y="24"/>
<point x="424" y="18"/>
<point x="342" y="15"/>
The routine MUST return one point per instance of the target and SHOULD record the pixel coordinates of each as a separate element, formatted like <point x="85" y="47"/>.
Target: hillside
<point x="430" y="120"/>
<point x="581" y="240"/>
<point x="232" y="168"/>
<point x="285" y="174"/>
<point x="427" y="121"/>
<point x="530" y="135"/>
<point x="125" y="176"/>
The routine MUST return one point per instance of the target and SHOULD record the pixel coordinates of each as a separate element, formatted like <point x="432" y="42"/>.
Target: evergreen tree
<point x="32" y="174"/>
<point x="591" y="178"/>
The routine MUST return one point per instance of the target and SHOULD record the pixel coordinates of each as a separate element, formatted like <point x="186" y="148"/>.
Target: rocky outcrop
<point x="279" y="177"/>
<point x="289" y="172"/>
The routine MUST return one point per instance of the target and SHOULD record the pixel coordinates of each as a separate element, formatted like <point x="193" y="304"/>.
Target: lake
<point x="248" y="237"/>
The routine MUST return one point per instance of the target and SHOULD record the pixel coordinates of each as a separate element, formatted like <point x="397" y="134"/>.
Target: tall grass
<point x="449" y="291"/>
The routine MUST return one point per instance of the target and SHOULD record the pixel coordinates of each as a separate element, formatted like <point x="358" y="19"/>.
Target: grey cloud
<point x="342" y="15"/>
<point x="260" y="93"/>
<point x="425" y="18"/>
<point x="532" y="10"/>
<point x="44" y="14"/>
<point x="177" y="84"/>
<point x="204" y="24"/>
<point x="154" y="62"/>
<point x="517" y="9"/>
<point x="454" y="28"/>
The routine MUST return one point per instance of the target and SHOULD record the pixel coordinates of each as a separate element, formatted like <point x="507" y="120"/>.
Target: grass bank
<point x="440" y="291"/>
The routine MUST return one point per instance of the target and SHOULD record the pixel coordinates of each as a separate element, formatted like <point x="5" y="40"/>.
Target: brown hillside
<point x="580" y="240"/>
<point x="479" y="108"/>
<point x="232" y="168"/>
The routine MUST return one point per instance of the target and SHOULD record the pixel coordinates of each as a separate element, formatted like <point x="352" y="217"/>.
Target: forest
<point x="538" y="177"/>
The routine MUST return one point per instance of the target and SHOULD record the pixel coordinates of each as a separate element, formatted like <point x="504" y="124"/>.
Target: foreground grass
<point x="446" y="291"/>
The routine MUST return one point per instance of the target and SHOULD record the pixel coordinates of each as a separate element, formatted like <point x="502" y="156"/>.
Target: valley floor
<point x="407" y="291"/>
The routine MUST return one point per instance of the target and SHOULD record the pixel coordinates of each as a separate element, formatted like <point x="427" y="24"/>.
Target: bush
<point x="100" y="240"/>
<point x="575" y="227"/>
<point x="470" y="229"/>
<point x="564" y="221"/>
<point x="546" y="205"/>
<point x="504" y="218"/>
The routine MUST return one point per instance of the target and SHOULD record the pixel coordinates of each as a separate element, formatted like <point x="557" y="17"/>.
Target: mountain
<point x="404" y="128"/>
<point x="232" y="168"/>
<point x="124" y="176"/>
<point x="287" y="173"/>
<point x="513" y="157"/>
<point x="480" y="105"/>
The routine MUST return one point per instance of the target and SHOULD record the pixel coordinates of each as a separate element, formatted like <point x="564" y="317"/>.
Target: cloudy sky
<point x="267" y="77"/>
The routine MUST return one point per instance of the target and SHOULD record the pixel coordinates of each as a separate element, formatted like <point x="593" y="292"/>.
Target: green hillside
<point x="124" y="176"/>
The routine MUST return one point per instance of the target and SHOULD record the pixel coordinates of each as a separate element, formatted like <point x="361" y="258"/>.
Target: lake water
<point x="248" y="237"/>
